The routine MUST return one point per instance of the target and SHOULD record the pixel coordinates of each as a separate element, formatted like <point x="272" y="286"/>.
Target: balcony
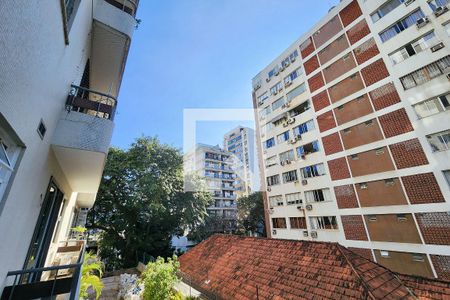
<point x="82" y="137"/>
<point x="61" y="278"/>
<point x="117" y="15"/>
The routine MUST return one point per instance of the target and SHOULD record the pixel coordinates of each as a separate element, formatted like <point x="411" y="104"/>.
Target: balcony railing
<point x="51" y="281"/>
<point x="91" y="102"/>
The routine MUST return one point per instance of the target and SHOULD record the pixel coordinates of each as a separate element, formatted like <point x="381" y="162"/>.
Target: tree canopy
<point x="141" y="203"/>
<point x="250" y="212"/>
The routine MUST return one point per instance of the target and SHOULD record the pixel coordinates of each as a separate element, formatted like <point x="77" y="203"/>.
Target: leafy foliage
<point x="250" y="212"/>
<point x="159" y="279"/>
<point x="91" y="273"/>
<point x="141" y="203"/>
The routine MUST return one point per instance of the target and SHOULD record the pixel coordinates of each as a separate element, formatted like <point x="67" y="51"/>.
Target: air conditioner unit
<point x="277" y="72"/>
<point x="309" y="207"/>
<point x="282" y="68"/>
<point x="300" y="207"/>
<point x="291" y="121"/>
<point x="437" y="47"/>
<point x="275" y="92"/>
<point x="422" y="22"/>
<point x="286" y="84"/>
<point x="271" y="210"/>
<point x="293" y="141"/>
<point x="440" y="10"/>
<point x="285" y="124"/>
<point x="269" y="189"/>
<point x="314" y="234"/>
<point x="287" y="161"/>
<point x="408" y="2"/>
<point x="282" y="163"/>
<point x="304" y="182"/>
<point x="283" y="106"/>
<point x="267" y="79"/>
<point x="293" y="59"/>
<point x="288" y="104"/>
<point x="274" y="232"/>
<point x="448" y="76"/>
<point x="305" y="233"/>
<point x="298" y="137"/>
<point x="303" y="156"/>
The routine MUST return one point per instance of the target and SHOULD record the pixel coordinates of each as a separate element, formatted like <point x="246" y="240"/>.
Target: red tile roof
<point x="235" y="267"/>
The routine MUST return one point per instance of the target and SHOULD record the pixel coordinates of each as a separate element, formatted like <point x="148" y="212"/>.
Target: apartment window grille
<point x="279" y="223"/>
<point x="287" y="155"/>
<point x="273" y="180"/>
<point x="426" y="73"/>
<point x="385" y="9"/>
<point x="297" y="222"/>
<point x="269" y="143"/>
<point x="434" y="4"/>
<point x="303" y="128"/>
<point x="296" y="92"/>
<point x="290" y="176"/>
<point x="401" y="25"/>
<point x="321" y="195"/>
<point x="277" y="104"/>
<point x="283" y="137"/>
<point x="432" y="106"/>
<point x="293" y="198"/>
<point x="263" y="98"/>
<point x="414" y="48"/>
<point x="328" y="222"/>
<point x="313" y="171"/>
<point x="276" y="200"/>
<point x="439" y="141"/>
<point x="271" y="161"/>
<point x="308" y="148"/>
<point x="446" y="174"/>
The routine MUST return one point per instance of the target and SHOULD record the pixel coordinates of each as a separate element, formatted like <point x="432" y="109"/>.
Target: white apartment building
<point x="240" y="141"/>
<point x="61" y="69"/>
<point x="216" y="167"/>
<point x="354" y="132"/>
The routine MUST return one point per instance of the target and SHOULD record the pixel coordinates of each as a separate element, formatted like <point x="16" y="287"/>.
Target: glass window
<point x="297" y="222"/>
<point x="290" y="176"/>
<point x="413" y="48"/>
<point x="276" y="88"/>
<point x="9" y="153"/>
<point x="277" y="104"/>
<point x="313" y="171"/>
<point x="288" y="155"/>
<point x="271" y="161"/>
<point x="296" y="92"/>
<point x="401" y="25"/>
<point x="434" y="4"/>
<point x="283" y="137"/>
<point x="385" y="9"/>
<point x="447" y="28"/>
<point x="439" y="141"/>
<point x="269" y="143"/>
<point x="276" y="200"/>
<point x="303" y="128"/>
<point x="308" y="148"/>
<point x="432" y="106"/>
<point x="321" y="195"/>
<point x="263" y="98"/>
<point x="447" y="176"/>
<point x="279" y="222"/>
<point x="323" y="222"/>
<point x="426" y="73"/>
<point x="293" y="198"/>
<point x="273" y="180"/>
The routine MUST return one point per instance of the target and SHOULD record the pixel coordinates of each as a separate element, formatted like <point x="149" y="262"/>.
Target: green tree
<point x="91" y="272"/>
<point x="250" y="213"/>
<point x="159" y="279"/>
<point x="141" y="203"/>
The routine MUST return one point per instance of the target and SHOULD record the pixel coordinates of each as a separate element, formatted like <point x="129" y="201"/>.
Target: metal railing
<point x="46" y="288"/>
<point x="91" y="102"/>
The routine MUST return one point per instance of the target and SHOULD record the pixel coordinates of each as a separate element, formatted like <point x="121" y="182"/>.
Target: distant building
<point x="216" y="167"/>
<point x="241" y="142"/>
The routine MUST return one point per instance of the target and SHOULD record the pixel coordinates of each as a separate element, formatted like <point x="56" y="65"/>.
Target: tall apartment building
<point x="216" y="166"/>
<point x="241" y="143"/>
<point x="353" y="127"/>
<point x="60" y="75"/>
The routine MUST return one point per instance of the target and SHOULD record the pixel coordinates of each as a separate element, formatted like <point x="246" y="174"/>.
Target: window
<point x="290" y="176"/>
<point x="277" y="104"/>
<point x="434" y="4"/>
<point x="273" y="180"/>
<point x="313" y="171"/>
<point x="276" y="200"/>
<point x="288" y="155"/>
<point x="401" y="25"/>
<point x="293" y="198"/>
<point x="9" y="154"/>
<point x="321" y="195"/>
<point x="292" y="76"/>
<point x="401" y="217"/>
<point x="271" y="161"/>
<point x="279" y="222"/>
<point x="439" y="141"/>
<point x="426" y="73"/>
<point x="295" y="92"/>
<point x="447" y="176"/>
<point x="70" y="9"/>
<point x="299" y="109"/>
<point x="276" y="88"/>
<point x="291" y="58"/>
<point x="447" y="28"/>
<point x="269" y="143"/>
<point x="303" y="128"/>
<point x="363" y="186"/>
<point x="283" y="137"/>
<point x="308" y="149"/>
<point x="275" y="71"/>
<point x="297" y="222"/>
<point x="432" y="106"/>
<point x="263" y="98"/>
<point x="413" y="48"/>
<point x="385" y="9"/>
<point x="264" y="112"/>
<point x="323" y="222"/>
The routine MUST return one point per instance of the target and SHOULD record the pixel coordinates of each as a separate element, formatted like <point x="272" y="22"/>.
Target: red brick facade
<point x="354" y="228"/>
<point x="441" y="264"/>
<point x="307" y="48"/>
<point x="374" y="72"/>
<point x="384" y="96"/>
<point x="326" y="121"/>
<point x="338" y="168"/>
<point x="422" y="188"/>
<point x="346" y="87"/>
<point x="408" y="154"/>
<point x="358" y="31"/>
<point x="435" y="227"/>
<point x="321" y="100"/>
<point x="395" y="123"/>
<point x="366" y="51"/>
<point x="366" y="253"/>
<point x="316" y="82"/>
<point x="332" y="143"/>
<point x="350" y="13"/>
<point x="311" y="65"/>
<point x="345" y="196"/>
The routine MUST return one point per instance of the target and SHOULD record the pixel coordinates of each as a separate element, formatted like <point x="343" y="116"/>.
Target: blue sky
<point x="202" y="54"/>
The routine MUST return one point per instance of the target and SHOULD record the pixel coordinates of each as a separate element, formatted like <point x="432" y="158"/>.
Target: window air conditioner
<point x="282" y="163"/>
<point x="283" y="106"/>
<point x="448" y="76"/>
<point x="285" y="124"/>
<point x="288" y="161"/>
<point x="440" y="10"/>
<point x="275" y="92"/>
<point x="287" y="83"/>
<point x="267" y="79"/>
<point x="293" y="141"/>
<point x="314" y="234"/>
<point x="303" y="156"/>
<point x="408" y="2"/>
<point x="291" y="120"/>
<point x="292" y="59"/>
<point x="304" y="182"/>
<point x="422" y="22"/>
<point x="274" y="232"/>
<point x="300" y="207"/>
<point x="437" y="47"/>
<point x="277" y="72"/>
<point x="298" y="137"/>
<point x="282" y="68"/>
<point x="305" y="233"/>
<point x="309" y="207"/>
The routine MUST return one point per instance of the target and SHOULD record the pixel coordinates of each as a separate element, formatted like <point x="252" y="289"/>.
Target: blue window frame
<point x="305" y="127"/>
<point x="269" y="143"/>
<point x="401" y="25"/>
